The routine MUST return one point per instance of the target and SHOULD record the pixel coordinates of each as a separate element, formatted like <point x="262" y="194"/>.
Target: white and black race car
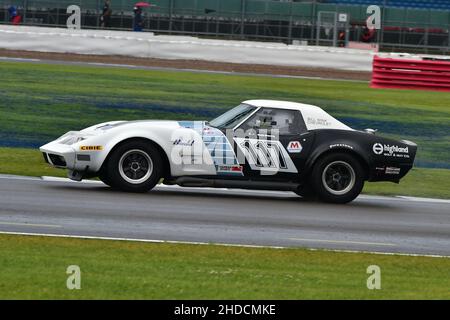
<point x="260" y="144"/>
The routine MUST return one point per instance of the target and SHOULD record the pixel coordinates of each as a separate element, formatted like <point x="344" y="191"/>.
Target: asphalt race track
<point x="262" y="218"/>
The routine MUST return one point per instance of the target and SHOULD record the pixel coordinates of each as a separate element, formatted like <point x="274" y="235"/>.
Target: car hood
<point x="106" y="126"/>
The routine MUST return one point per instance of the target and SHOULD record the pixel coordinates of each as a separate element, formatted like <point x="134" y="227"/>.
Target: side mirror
<point x="258" y="123"/>
<point x="371" y="131"/>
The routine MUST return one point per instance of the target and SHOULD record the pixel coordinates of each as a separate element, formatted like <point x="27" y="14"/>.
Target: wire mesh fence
<point x="406" y="29"/>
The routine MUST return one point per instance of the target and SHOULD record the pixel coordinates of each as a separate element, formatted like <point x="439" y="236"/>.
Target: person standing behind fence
<point x="138" y="21"/>
<point x="14" y="16"/>
<point x="106" y="14"/>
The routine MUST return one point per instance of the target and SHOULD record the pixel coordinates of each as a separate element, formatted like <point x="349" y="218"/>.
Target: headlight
<point x="70" y="138"/>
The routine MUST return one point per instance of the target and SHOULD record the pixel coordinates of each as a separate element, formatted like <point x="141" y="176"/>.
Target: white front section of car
<point x="86" y="150"/>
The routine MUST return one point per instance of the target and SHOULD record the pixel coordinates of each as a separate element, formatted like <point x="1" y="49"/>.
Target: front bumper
<point x="59" y="155"/>
<point x="71" y="157"/>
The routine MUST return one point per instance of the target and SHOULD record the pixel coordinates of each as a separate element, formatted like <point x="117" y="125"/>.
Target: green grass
<point x="420" y="182"/>
<point x="26" y="162"/>
<point x="39" y="102"/>
<point x="35" y="268"/>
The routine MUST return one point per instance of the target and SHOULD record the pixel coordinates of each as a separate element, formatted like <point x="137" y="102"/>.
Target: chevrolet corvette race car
<point x="260" y="144"/>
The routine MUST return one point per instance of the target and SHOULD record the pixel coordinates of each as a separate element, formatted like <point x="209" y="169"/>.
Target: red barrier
<point x="410" y="74"/>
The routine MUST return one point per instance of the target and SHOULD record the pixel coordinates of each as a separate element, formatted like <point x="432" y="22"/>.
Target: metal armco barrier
<point x="403" y="73"/>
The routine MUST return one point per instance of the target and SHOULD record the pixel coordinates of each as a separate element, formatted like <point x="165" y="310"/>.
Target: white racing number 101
<point x="267" y="156"/>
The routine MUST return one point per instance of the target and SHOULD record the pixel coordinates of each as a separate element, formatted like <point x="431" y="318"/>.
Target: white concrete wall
<point x="147" y="45"/>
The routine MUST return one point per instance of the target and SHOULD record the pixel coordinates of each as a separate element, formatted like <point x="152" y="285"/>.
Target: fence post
<point x="97" y="12"/>
<point x="290" y="27"/>
<point x="242" y="17"/>
<point x="380" y="35"/>
<point x="25" y="7"/>
<point x="170" y="15"/>
<point x="448" y="33"/>
<point x="314" y="22"/>
<point x="216" y="19"/>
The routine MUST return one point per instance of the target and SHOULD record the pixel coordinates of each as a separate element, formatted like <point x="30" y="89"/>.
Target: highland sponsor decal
<point x="390" y="150"/>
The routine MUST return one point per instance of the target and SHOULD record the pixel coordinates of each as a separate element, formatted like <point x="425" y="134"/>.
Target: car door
<point x="273" y="143"/>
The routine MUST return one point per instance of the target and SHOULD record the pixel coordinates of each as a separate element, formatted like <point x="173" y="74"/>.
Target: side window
<point x="286" y="121"/>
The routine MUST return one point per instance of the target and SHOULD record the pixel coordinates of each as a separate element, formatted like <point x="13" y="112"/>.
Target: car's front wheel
<point x="338" y="178"/>
<point x="134" y="166"/>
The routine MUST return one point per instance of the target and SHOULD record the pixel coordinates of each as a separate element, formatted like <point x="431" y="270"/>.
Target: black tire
<point x="104" y="178"/>
<point x="337" y="178"/>
<point x="307" y="193"/>
<point x="125" y="168"/>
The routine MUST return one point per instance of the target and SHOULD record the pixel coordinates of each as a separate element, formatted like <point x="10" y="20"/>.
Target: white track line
<point x="216" y="244"/>
<point x="137" y="240"/>
<point x="24" y="224"/>
<point x="19" y="59"/>
<point x="67" y="180"/>
<point x="14" y="177"/>
<point x="344" y="242"/>
<point x="418" y="199"/>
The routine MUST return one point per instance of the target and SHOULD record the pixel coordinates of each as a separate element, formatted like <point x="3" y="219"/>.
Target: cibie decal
<point x="294" y="147"/>
<point x="91" y="148"/>
<point x="378" y="148"/>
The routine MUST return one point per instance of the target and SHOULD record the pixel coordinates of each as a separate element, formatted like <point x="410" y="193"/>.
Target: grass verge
<point x="26" y="162"/>
<point x="35" y="268"/>
<point x="420" y="182"/>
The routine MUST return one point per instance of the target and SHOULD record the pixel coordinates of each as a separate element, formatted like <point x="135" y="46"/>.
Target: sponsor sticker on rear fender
<point x="392" y="170"/>
<point x="390" y="150"/>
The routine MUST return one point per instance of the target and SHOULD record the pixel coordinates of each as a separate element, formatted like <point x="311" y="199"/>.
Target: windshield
<point x="231" y="118"/>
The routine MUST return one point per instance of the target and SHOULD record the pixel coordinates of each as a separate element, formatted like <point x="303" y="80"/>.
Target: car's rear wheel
<point x="134" y="166"/>
<point x="307" y="193"/>
<point x="338" y="178"/>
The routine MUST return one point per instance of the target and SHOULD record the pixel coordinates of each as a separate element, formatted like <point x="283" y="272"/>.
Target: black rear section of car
<point x="384" y="159"/>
